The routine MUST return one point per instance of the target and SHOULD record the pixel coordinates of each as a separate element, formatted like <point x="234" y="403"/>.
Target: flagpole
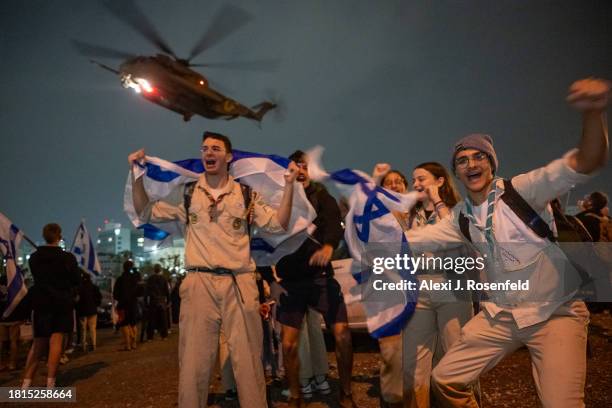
<point x="77" y="233"/>
<point x="29" y="240"/>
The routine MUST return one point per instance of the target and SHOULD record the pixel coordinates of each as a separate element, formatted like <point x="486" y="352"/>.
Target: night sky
<point x="396" y="81"/>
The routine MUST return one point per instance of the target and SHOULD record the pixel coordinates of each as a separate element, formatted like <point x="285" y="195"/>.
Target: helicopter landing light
<point x="144" y="84"/>
<point x="201" y="82"/>
<point x="137" y="84"/>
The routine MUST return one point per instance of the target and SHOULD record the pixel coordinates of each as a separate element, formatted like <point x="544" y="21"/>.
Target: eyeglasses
<point x="463" y="162"/>
<point x="214" y="149"/>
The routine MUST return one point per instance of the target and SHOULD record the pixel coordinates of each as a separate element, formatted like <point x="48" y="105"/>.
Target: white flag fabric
<point x="263" y="173"/>
<point x="10" y="238"/>
<point x="371" y="228"/>
<point x="83" y="250"/>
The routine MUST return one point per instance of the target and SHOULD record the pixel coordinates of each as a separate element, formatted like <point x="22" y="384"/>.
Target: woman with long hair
<point x="439" y="315"/>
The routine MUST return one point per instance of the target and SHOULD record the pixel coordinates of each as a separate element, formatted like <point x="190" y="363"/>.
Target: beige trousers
<point x="311" y="349"/>
<point x="430" y="332"/>
<point x="391" y="383"/>
<point x="88" y="323"/>
<point x="210" y="304"/>
<point x="558" y="356"/>
<point x="225" y="364"/>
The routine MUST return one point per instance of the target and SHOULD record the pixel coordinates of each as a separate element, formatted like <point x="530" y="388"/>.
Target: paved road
<point x="147" y="377"/>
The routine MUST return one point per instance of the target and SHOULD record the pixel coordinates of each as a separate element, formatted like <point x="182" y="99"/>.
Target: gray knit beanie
<point x="480" y="142"/>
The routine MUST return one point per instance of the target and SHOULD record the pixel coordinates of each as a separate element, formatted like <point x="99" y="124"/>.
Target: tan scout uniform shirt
<point x="222" y="242"/>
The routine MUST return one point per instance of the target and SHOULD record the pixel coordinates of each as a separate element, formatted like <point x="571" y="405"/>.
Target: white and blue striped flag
<point x="83" y="250"/>
<point x="372" y="229"/>
<point x="263" y="173"/>
<point x="10" y="238"/>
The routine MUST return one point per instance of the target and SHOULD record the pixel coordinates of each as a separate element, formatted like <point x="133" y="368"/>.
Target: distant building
<point x="115" y="244"/>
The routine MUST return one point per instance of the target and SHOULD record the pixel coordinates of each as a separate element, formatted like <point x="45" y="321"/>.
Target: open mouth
<point x="474" y="176"/>
<point x="301" y="178"/>
<point x="210" y="163"/>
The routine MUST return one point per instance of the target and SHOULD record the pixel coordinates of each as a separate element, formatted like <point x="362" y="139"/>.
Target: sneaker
<point x="306" y="392"/>
<point x="322" y="387"/>
<point x="64" y="359"/>
<point x="69" y="351"/>
<point x="231" y="395"/>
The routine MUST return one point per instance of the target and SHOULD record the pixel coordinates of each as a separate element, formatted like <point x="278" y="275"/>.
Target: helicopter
<point x="170" y="81"/>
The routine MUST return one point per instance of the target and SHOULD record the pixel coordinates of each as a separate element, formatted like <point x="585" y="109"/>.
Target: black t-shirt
<point x="56" y="278"/>
<point x="329" y="231"/>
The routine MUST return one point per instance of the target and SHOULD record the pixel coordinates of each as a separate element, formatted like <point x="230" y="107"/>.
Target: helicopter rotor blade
<point x="264" y="65"/>
<point x="128" y="12"/>
<point x="92" y="50"/>
<point x="106" y="67"/>
<point x="227" y="20"/>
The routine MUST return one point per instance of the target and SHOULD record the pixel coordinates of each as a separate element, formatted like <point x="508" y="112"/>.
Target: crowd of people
<point x="269" y="322"/>
<point x="444" y="344"/>
<point x="60" y="311"/>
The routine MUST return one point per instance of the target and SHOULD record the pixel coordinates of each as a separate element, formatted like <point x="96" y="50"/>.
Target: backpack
<point x="533" y="220"/>
<point x="247" y="195"/>
<point x="605" y="228"/>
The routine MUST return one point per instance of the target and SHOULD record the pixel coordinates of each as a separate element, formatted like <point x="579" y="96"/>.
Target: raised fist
<point x="590" y="94"/>
<point x="380" y="170"/>
<point x="136" y="156"/>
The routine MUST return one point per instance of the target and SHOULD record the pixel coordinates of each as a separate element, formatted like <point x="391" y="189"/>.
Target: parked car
<point x="343" y="272"/>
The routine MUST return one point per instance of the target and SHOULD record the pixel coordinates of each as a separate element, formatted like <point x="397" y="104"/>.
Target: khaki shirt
<point x="222" y="242"/>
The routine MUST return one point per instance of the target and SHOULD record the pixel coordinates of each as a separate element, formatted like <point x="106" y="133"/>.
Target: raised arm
<point x="590" y="96"/>
<point x="284" y="210"/>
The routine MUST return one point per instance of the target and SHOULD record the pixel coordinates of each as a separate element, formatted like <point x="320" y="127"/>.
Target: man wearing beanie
<point x="544" y="316"/>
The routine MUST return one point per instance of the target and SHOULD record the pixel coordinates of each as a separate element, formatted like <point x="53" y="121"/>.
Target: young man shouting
<point x="545" y="318"/>
<point x="219" y="291"/>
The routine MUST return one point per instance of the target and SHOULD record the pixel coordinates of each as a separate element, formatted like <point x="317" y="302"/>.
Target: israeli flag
<point x="84" y="251"/>
<point x="10" y="238"/>
<point x="371" y="230"/>
<point x="263" y="173"/>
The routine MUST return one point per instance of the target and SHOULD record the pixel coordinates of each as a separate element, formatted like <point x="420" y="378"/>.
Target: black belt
<point x="216" y="271"/>
<point x="219" y="271"/>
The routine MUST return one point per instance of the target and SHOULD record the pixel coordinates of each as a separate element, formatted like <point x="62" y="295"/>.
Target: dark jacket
<point x="157" y="290"/>
<point x="89" y="298"/>
<point x="329" y="231"/>
<point x="56" y="279"/>
<point x="592" y="222"/>
<point x="127" y="290"/>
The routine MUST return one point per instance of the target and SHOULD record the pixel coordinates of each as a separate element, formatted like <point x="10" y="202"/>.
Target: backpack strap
<point x="187" y="194"/>
<point x="247" y="195"/>
<point x="524" y="211"/>
<point x="464" y="226"/>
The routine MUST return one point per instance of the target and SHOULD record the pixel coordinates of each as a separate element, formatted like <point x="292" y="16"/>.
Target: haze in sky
<point x="395" y="81"/>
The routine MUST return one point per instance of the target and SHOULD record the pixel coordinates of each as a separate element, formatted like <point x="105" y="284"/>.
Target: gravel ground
<point x="148" y="376"/>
